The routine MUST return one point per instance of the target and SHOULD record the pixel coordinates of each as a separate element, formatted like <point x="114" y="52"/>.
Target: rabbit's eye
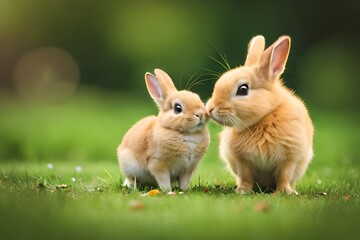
<point x="242" y="90"/>
<point x="177" y="108"/>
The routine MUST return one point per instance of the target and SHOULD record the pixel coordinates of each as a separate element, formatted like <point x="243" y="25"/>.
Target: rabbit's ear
<point x="274" y="58"/>
<point x="154" y="88"/>
<point x="159" y="86"/>
<point x="166" y="83"/>
<point x="255" y="49"/>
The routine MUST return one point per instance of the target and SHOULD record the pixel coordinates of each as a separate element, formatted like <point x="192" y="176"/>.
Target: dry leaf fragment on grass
<point x="262" y="207"/>
<point x="153" y="192"/>
<point x="347" y="197"/>
<point x="62" y="186"/>
<point x="136" y="205"/>
<point x="321" y="194"/>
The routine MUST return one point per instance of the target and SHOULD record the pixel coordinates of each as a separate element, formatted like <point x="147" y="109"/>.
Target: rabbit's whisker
<point x="217" y="61"/>
<point x="191" y="79"/>
<point x="210" y="72"/>
<point x="223" y="57"/>
<point x="200" y="82"/>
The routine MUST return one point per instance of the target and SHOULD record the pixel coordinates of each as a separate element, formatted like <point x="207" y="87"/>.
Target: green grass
<point x="37" y="202"/>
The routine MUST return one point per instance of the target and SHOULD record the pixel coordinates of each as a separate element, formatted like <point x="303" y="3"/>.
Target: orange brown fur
<point x="267" y="134"/>
<point x="160" y="149"/>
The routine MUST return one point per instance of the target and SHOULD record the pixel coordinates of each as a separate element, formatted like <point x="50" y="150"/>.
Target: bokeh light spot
<point x="47" y="74"/>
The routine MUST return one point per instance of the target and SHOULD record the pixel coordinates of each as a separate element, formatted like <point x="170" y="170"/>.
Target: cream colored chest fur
<point x="255" y="152"/>
<point x="181" y="152"/>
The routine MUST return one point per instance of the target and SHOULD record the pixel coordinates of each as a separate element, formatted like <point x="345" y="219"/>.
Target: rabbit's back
<point x="137" y="139"/>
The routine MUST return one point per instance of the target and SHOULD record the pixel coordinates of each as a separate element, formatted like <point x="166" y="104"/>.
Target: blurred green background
<point x="72" y="83"/>
<point x="71" y="72"/>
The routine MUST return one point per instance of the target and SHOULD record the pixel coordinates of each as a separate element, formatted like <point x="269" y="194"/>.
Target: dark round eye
<point x="242" y="90"/>
<point x="177" y="108"/>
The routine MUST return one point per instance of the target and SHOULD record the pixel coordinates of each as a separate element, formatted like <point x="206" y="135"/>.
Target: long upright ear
<point x="154" y="88"/>
<point x="274" y="58"/>
<point x="255" y="49"/>
<point x="165" y="82"/>
<point x="159" y="86"/>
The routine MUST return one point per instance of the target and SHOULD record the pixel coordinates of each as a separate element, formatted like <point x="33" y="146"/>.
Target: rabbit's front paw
<point x="242" y="189"/>
<point x="129" y="183"/>
<point x="286" y="189"/>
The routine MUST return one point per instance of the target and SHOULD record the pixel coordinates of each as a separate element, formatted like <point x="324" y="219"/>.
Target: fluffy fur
<point x="268" y="132"/>
<point x="160" y="149"/>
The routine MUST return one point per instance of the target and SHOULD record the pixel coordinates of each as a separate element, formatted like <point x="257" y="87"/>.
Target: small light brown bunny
<point x="268" y="133"/>
<point x="162" y="149"/>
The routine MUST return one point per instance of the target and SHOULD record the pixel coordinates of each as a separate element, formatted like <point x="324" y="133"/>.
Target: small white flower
<point x="50" y="166"/>
<point x="73" y="179"/>
<point x="318" y="181"/>
<point x="78" y="169"/>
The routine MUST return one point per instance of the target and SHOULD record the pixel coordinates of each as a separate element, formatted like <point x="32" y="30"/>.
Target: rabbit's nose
<point x="199" y="116"/>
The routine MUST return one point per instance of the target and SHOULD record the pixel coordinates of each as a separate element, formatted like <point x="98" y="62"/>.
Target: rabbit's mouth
<point x="196" y="127"/>
<point x="222" y="120"/>
<point x="199" y="125"/>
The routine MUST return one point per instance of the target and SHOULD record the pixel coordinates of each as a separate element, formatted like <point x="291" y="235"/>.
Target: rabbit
<point x="268" y="134"/>
<point x="161" y="149"/>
